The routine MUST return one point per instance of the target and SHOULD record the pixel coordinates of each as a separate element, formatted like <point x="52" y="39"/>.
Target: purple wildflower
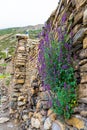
<point x="60" y="34"/>
<point x="67" y="107"/>
<point x="58" y="102"/>
<point x="65" y="67"/>
<point x="64" y="18"/>
<point x="65" y="85"/>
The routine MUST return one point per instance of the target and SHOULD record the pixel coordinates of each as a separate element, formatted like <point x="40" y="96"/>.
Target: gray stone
<point x="35" y="123"/>
<point x="3" y="120"/>
<point x="83" y="54"/>
<point x="79" y="35"/>
<point x="21" y="103"/>
<point x="83" y="100"/>
<point x="47" y="124"/>
<point x="55" y="126"/>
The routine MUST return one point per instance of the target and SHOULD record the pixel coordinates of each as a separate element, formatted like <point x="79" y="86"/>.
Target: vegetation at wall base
<point x="56" y="69"/>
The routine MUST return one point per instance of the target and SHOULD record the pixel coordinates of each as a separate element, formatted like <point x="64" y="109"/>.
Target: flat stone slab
<point x="55" y="126"/>
<point x="22" y="36"/>
<point x="3" y="120"/>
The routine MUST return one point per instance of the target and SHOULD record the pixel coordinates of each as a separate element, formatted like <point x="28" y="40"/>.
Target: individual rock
<point x="21" y="103"/>
<point x="83" y="100"/>
<point x="20" y="98"/>
<point x="78" y="17"/>
<point x="47" y="124"/>
<point x="45" y="105"/>
<point x="35" y="123"/>
<point x="82" y="92"/>
<point x="4" y="99"/>
<point x="83" y="68"/>
<point x="84" y="79"/>
<point x="60" y="124"/>
<point x="20" y="81"/>
<point x="3" y="120"/>
<point x="38" y="105"/>
<point x="77" y="27"/>
<point x="38" y="116"/>
<point x="53" y="117"/>
<point x="30" y="114"/>
<point x="44" y="112"/>
<point x="83" y="54"/>
<point x="79" y="35"/>
<point x="83" y="113"/>
<point x="85" y="17"/>
<point x="85" y="43"/>
<point x="11" y="111"/>
<point x="82" y="62"/>
<point x="55" y="126"/>
<point x="25" y="117"/>
<point x="79" y="4"/>
<point x="76" y="122"/>
<point x="21" y="48"/>
<point x="44" y="96"/>
<point x="49" y="112"/>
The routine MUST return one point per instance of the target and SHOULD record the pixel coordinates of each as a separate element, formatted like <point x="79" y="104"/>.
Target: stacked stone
<point x="18" y="96"/>
<point x="76" y="11"/>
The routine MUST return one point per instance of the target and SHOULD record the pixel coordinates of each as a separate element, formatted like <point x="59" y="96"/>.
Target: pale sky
<point x="16" y="13"/>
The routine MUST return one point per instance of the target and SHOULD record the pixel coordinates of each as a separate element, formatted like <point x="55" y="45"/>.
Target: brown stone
<point x="82" y="90"/>
<point x="38" y="116"/>
<point x="83" y="54"/>
<point x="44" y="96"/>
<point x="82" y="62"/>
<point x="30" y="114"/>
<point x="78" y="17"/>
<point x="84" y="79"/>
<point x="85" y="17"/>
<point x="49" y="112"/>
<point x="20" y="81"/>
<point x="77" y="27"/>
<point x="75" y="122"/>
<point x="85" y="43"/>
<point x="83" y="68"/>
<point x="38" y="106"/>
<point x="20" y="98"/>
<point x="83" y="113"/>
<point x="53" y="117"/>
<point x="80" y="3"/>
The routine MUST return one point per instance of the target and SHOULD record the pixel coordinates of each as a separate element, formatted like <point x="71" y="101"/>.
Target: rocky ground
<point x="5" y="122"/>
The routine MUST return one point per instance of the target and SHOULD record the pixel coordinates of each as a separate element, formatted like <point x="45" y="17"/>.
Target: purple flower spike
<point x="65" y="85"/>
<point x="67" y="107"/>
<point x="65" y="67"/>
<point x="58" y="102"/>
<point x="64" y="18"/>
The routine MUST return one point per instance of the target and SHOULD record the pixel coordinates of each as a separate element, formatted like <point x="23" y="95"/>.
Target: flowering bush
<point x="56" y="70"/>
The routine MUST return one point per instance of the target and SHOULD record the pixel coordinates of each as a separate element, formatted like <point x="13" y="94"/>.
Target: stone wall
<point x="29" y="101"/>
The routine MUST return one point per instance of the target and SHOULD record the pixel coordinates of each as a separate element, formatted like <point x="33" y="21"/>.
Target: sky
<point x="17" y="13"/>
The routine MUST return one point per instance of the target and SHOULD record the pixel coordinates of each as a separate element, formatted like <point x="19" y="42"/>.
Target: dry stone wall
<point x="18" y="95"/>
<point x="29" y="101"/>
